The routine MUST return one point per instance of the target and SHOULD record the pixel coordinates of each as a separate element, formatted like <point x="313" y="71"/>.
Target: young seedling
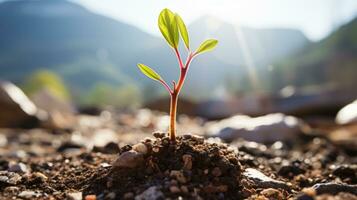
<point x="171" y="26"/>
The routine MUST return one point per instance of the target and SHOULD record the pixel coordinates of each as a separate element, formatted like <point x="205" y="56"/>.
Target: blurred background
<point x="296" y="57"/>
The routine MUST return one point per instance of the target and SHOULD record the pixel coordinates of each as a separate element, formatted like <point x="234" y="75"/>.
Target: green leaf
<point x="183" y="30"/>
<point x="149" y="72"/>
<point x="207" y="45"/>
<point x="168" y="27"/>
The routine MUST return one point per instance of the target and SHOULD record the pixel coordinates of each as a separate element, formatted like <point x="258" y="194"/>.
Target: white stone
<point x="347" y="114"/>
<point x="75" y="195"/>
<point x="28" y="194"/>
<point x="268" y="128"/>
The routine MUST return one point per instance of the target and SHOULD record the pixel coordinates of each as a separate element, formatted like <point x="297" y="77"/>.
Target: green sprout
<point x="172" y="26"/>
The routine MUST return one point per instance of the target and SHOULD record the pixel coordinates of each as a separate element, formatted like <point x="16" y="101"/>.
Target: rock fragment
<point x="159" y="134"/>
<point x="216" y="172"/>
<point x="291" y="169"/>
<point x="3" y="140"/>
<point x="17" y="110"/>
<point x="178" y="175"/>
<point x="174" y="189"/>
<point x="347" y="114"/>
<point x="346" y="171"/>
<point x="263" y="181"/>
<point x="140" y="148"/>
<point x="152" y="192"/>
<point x="11" y="189"/>
<point x="129" y="159"/>
<point x="9" y="178"/>
<point x="75" y="195"/>
<point x="18" y="168"/>
<point x="265" y="129"/>
<point x="187" y="162"/>
<point x="334" y="188"/>
<point x="28" y="194"/>
<point x="272" y="194"/>
<point x="39" y="176"/>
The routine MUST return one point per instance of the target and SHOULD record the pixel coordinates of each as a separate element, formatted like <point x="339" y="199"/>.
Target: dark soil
<point x="40" y="164"/>
<point x="190" y="169"/>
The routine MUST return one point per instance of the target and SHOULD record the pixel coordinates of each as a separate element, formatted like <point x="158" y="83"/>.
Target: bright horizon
<point x="316" y="21"/>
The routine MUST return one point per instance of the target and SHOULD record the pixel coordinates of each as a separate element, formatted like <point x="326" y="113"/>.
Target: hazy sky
<point x="316" y="18"/>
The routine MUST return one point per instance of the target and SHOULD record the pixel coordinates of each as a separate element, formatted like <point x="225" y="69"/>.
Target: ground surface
<point x="71" y="164"/>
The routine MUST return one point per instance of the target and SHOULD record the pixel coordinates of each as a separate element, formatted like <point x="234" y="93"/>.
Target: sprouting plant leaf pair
<point x="171" y="27"/>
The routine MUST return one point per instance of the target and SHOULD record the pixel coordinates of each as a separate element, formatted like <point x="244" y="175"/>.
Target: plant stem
<point x="173" y="110"/>
<point x="179" y="58"/>
<point x="174" y="95"/>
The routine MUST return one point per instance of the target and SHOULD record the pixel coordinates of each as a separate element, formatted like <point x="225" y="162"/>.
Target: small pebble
<point x="3" y="140"/>
<point x="140" y="148"/>
<point x="345" y="171"/>
<point x="152" y="192"/>
<point x="216" y="172"/>
<point x="75" y="195"/>
<point x="187" y="136"/>
<point x="111" y="195"/>
<point x="272" y="194"/>
<point x="27" y="194"/>
<point x="247" y="192"/>
<point x="111" y="147"/>
<point x="334" y="188"/>
<point x="198" y="139"/>
<point x="40" y="176"/>
<point x="309" y="191"/>
<point x="184" y="189"/>
<point x="174" y="189"/>
<point x="18" y="168"/>
<point x="4" y="179"/>
<point x="105" y="165"/>
<point x="178" y="175"/>
<point x="291" y="170"/>
<point x="128" y="195"/>
<point x="222" y="188"/>
<point x="173" y="182"/>
<point x="11" y="189"/>
<point x="90" y="197"/>
<point x="187" y="162"/>
<point x="159" y="134"/>
<point x="155" y="149"/>
<point x="11" y="178"/>
<point x="129" y="159"/>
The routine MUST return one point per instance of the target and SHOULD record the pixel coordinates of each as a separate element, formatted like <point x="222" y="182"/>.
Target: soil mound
<point x="192" y="168"/>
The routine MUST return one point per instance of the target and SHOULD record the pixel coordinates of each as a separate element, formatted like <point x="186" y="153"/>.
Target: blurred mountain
<point x="86" y="48"/>
<point x="62" y="36"/>
<point x="331" y="62"/>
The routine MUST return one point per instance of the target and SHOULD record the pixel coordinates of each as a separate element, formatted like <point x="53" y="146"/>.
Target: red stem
<point x="176" y="90"/>
<point x="179" y="58"/>
<point x="183" y="73"/>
